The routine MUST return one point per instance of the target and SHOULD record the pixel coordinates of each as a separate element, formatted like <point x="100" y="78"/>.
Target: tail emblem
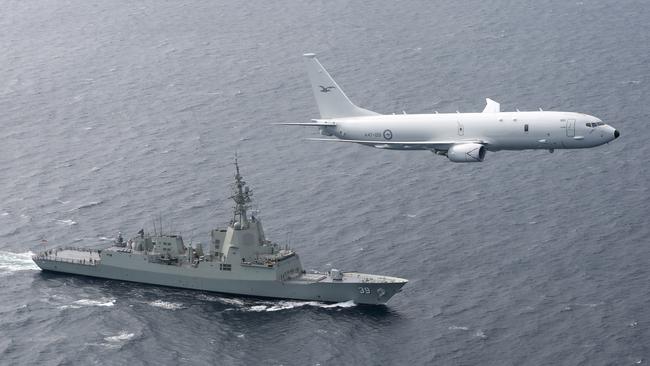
<point x="326" y="89"/>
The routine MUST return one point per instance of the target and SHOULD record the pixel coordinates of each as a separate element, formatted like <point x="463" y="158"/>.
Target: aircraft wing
<point x="313" y="123"/>
<point x="424" y="145"/>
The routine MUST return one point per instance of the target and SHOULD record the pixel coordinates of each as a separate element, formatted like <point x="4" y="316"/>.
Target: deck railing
<point x="90" y="262"/>
<point x="52" y="256"/>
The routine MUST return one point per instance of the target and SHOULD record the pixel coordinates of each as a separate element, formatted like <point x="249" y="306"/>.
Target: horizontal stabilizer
<point x="491" y="106"/>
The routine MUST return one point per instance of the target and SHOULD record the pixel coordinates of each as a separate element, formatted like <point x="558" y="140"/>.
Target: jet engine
<point x="466" y="153"/>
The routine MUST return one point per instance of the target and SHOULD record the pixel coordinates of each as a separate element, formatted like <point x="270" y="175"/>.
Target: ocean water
<point x="115" y="113"/>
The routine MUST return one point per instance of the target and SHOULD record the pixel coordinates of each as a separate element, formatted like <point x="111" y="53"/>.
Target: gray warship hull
<point x="353" y="286"/>
<point x="239" y="260"/>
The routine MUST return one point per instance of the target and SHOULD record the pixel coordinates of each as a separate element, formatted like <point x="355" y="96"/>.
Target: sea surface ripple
<point x="115" y="113"/>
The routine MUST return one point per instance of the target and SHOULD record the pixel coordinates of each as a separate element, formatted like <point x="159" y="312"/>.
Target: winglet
<point x="491" y="106"/>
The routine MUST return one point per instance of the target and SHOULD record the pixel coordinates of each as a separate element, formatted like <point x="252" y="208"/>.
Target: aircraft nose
<point x="616" y="134"/>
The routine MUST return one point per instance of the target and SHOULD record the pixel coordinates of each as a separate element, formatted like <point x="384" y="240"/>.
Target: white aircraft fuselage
<point x="498" y="131"/>
<point x="462" y="137"/>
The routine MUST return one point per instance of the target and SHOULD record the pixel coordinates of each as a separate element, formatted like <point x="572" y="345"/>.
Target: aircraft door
<point x="570" y="127"/>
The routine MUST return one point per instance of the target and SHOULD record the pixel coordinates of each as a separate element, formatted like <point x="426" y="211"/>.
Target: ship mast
<point x="242" y="197"/>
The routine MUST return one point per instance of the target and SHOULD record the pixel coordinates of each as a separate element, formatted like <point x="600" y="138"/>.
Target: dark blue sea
<point x="115" y="113"/>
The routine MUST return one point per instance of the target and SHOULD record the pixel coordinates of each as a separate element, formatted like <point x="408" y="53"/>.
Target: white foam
<point x="123" y="336"/>
<point x="257" y="308"/>
<point x="224" y="300"/>
<point x="67" y="222"/>
<point x="479" y="333"/>
<point x="345" y="304"/>
<point x="105" y="345"/>
<point x="287" y="305"/>
<point x="4" y="214"/>
<point x="166" y="305"/>
<point x="269" y="306"/>
<point x="455" y="327"/>
<point x="591" y="305"/>
<point x="94" y="169"/>
<point x="101" y="302"/>
<point x="12" y="262"/>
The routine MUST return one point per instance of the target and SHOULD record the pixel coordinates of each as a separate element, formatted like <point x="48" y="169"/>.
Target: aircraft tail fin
<point x="332" y="101"/>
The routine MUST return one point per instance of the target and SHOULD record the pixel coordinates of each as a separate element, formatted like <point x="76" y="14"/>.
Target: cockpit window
<point x="588" y="124"/>
<point x="601" y="123"/>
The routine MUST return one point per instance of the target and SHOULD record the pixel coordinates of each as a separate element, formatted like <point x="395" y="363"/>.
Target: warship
<point x="238" y="261"/>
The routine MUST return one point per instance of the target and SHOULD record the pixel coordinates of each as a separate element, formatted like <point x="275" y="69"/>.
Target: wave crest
<point x="166" y="305"/>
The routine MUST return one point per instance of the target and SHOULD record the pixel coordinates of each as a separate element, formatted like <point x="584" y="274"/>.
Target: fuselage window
<point x="526" y="128"/>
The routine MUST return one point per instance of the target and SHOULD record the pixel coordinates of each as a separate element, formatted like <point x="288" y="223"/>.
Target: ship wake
<point x="290" y="304"/>
<point x="101" y="302"/>
<point x="13" y="262"/>
<point x="247" y="305"/>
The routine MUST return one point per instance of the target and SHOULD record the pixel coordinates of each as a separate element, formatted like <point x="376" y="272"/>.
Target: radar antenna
<point x="242" y="197"/>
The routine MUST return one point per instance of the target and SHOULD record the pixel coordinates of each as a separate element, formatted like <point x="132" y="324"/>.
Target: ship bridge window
<point x="225" y="266"/>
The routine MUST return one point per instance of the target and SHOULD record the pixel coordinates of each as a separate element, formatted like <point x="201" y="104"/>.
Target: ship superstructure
<point x="239" y="260"/>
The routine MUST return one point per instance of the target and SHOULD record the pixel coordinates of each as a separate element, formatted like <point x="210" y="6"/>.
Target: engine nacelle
<point x="466" y="153"/>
